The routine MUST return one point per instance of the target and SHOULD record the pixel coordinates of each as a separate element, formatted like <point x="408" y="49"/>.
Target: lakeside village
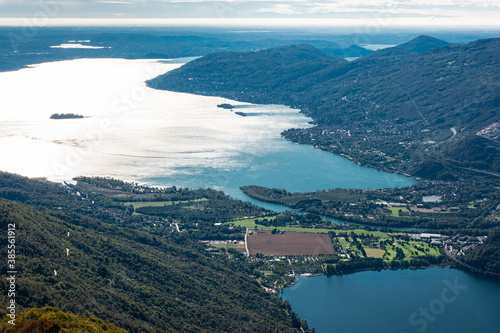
<point x="275" y="247"/>
<point x="400" y="250"/>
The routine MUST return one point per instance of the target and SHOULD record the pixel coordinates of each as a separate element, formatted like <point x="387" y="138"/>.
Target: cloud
<point x="285" y="9"/>
<point x="114" y="2"/>
<point x="228" y="9"/>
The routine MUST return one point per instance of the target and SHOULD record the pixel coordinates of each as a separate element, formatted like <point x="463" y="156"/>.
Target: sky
<point x="336" y="12"/>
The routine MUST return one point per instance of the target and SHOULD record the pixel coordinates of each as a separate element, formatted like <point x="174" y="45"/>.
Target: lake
<point x="164" y="138"/>
<point x="431" y="300"/>
<point x="158" y="138"/>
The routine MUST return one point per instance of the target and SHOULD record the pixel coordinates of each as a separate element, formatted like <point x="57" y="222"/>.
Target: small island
<point x="225" y="106"/>
<point x="66" y="116"/>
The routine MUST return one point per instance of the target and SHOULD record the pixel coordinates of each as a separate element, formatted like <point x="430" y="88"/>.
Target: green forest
<point x="50" y="319"/>
<point x="69" y="259"/>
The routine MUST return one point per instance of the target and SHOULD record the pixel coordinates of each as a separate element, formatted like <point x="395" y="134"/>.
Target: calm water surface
<point x="431" y="300"/>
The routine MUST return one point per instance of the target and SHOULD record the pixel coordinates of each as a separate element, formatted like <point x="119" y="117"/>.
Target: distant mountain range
<point x="17" y="50"/>
<point x="414" y="104"/>
<point x="420" y="44"/>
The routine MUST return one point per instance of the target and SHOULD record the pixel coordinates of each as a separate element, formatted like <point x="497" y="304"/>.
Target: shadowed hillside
<point x="140" y="282"/>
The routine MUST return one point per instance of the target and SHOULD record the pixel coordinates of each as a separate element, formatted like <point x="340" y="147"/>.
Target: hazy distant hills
<point x="419" y="44"/>
<point x="17" y="49"/>
<point x="399" y="104"/>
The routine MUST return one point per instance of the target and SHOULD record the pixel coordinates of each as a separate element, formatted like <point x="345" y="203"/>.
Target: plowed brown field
<point x="289" y="243"/>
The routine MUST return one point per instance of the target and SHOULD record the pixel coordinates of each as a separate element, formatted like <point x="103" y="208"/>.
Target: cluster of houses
<point x="458" y="245"/>
<point x="453" y="245"/>
<point x="434" y="239"/>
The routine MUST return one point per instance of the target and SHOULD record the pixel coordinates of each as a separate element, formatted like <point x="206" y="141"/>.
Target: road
<point x="482" y="171"/>
<point x="453" y="133"/>
<point x="246" y="243"/>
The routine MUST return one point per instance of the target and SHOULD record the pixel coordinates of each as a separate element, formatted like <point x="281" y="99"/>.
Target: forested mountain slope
<point x="409" y="107"/>
<point x="132" y="279"/>
<point x="52" y="320"/>
<point x="486" y="258"/>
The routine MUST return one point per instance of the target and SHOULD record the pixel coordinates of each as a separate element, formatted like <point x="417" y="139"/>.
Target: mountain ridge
<point x="420" y="44"/>
<point x="142" y="282"/>
<point x="415" y="99"/>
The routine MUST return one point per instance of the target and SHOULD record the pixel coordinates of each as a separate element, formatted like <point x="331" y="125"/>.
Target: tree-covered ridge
<point x="214" y="210"/>
<point x="141" y="282"/>
<point x="110" y="200"/>
<point x="397" y="113"/>
<point x="254" y="75"/>
<point x="53" y="320"/>
<point x="485" y="259"/>
<point x="420" y="44"/>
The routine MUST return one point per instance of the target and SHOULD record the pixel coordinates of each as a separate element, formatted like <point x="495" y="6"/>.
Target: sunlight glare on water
<point x="160" y="138"/>
<point x="129" y="129"/>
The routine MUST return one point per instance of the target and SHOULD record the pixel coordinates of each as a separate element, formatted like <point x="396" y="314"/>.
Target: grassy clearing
<point x="374" y="253"/>
<point x="395" y="210"/>
<point x="246" y="223"/>
<point x="250" y="224"/>
<point x="227" y="246"/>
<point x="389" y="254"/>
<point x="345" y="244"/>
<point x="140" y="204"/>
<point x="298" y="229"/>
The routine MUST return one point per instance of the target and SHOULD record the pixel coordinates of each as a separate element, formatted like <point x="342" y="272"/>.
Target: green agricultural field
<point x="246" y="223"/>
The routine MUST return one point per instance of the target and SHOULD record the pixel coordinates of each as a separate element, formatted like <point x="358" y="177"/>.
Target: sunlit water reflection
<point x="157" y="137"/>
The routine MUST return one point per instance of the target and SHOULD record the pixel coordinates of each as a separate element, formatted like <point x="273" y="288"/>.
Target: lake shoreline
<point x="356" y="302"/>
